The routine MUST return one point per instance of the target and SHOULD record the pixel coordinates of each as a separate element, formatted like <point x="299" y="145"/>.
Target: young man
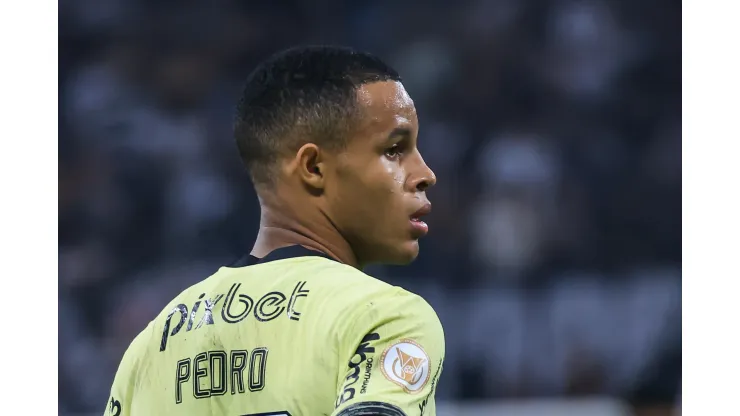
<point x="329" y="137"/>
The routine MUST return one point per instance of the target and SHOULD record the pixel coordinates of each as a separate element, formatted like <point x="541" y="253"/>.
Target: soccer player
<point x="329" y="136"/>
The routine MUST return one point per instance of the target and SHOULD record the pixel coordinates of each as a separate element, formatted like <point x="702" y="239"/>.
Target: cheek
<point x="372" y="188"/>
<point x="399" y="177"/>
<point x="388" y="184"/>
<point x="393" y="176"/>
<point x="376" y="196"/>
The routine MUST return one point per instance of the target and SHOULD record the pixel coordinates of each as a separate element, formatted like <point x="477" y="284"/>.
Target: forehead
<point x="385" y="106"/>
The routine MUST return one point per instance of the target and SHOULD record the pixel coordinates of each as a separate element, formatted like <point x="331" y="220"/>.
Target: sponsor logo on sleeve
<point x="362" y="358"/>
<point x="423" y="405"/>
<point x="406" y="364"/>
<point x="115" y="407"/>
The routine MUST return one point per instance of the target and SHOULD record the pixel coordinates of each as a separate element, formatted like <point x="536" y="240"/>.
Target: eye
<point x="393" y="152"/>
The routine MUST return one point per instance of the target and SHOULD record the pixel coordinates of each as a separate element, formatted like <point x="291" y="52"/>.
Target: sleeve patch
<point x="406" y="364"/>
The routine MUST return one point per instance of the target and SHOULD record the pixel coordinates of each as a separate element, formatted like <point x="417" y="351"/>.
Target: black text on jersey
<point x="211" y="373"/>
<point x="355" y="363"/>
<point x="235" y="308"/>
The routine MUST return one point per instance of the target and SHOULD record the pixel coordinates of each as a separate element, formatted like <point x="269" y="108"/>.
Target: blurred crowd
<point x="554" y="128"/>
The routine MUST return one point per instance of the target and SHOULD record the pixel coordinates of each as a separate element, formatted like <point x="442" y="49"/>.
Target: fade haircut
<point x="298" y="96"/>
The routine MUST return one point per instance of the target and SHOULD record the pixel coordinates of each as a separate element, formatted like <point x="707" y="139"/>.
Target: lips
<point x="425" y="210"/>
<point x="419" y="227"/>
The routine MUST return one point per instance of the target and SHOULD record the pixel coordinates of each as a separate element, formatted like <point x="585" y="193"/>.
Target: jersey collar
<point x="281" y="254"/>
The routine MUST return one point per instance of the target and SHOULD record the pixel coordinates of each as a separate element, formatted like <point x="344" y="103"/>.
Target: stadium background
<point x="554" y="127"/>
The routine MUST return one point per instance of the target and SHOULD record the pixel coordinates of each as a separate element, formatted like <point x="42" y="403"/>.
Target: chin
<point x="407" y="253"/>
<point x="398" y="254"/>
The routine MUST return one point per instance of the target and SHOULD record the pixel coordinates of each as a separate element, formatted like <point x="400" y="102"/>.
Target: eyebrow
<point x="400" y="131"/>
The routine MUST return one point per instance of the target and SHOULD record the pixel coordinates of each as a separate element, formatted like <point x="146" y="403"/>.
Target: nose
<point x="424" y="178"/>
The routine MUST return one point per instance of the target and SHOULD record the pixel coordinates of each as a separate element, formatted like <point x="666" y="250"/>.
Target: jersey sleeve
<point x="124" y="383"/>
<point x="393" y="354"/>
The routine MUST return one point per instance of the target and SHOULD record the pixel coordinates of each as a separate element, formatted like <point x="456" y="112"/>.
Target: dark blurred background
<point x="554" y="127"/>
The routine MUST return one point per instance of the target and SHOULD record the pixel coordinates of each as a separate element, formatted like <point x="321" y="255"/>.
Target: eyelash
<point x="393" y="152"/>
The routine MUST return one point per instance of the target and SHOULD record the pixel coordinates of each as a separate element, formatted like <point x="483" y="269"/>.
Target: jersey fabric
<point x="295" y="333"/>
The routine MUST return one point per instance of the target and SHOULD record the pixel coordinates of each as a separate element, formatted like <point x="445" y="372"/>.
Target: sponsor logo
<point x="368" y="374"/>
<point x="406" y="364"/>
<point x="236" y="307"/>
<point x="423" y="405"/>
<point x="355" y="364"/>
<point x="115" y="407"/>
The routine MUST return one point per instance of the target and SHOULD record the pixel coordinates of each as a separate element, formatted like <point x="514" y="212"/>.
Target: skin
<point x="355" y="205"/>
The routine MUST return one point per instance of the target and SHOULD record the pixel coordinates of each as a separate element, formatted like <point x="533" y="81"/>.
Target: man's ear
<point x="310" y="167"/>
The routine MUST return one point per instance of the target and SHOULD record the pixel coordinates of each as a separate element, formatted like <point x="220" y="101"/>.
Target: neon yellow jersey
<point x="294" y="334"/>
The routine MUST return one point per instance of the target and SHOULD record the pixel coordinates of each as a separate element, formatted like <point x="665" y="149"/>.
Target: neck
<point x="279" y="230"/>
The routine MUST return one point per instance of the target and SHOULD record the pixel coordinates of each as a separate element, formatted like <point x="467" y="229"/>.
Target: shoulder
<point x="374" y="304"/>
<point x="369" y="296"/>
<point x="135" y="356"/>
<point x="395" y="333"/>
<point x="407" y="311"/>
<point x="355" y="299"/>
<point x="364" y="294"/>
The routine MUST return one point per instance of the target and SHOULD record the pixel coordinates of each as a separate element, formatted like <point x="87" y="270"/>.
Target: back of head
<point x="298" y="96"/>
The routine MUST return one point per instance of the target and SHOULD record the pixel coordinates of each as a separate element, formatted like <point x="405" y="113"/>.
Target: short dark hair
<point x="298" y="96"/>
